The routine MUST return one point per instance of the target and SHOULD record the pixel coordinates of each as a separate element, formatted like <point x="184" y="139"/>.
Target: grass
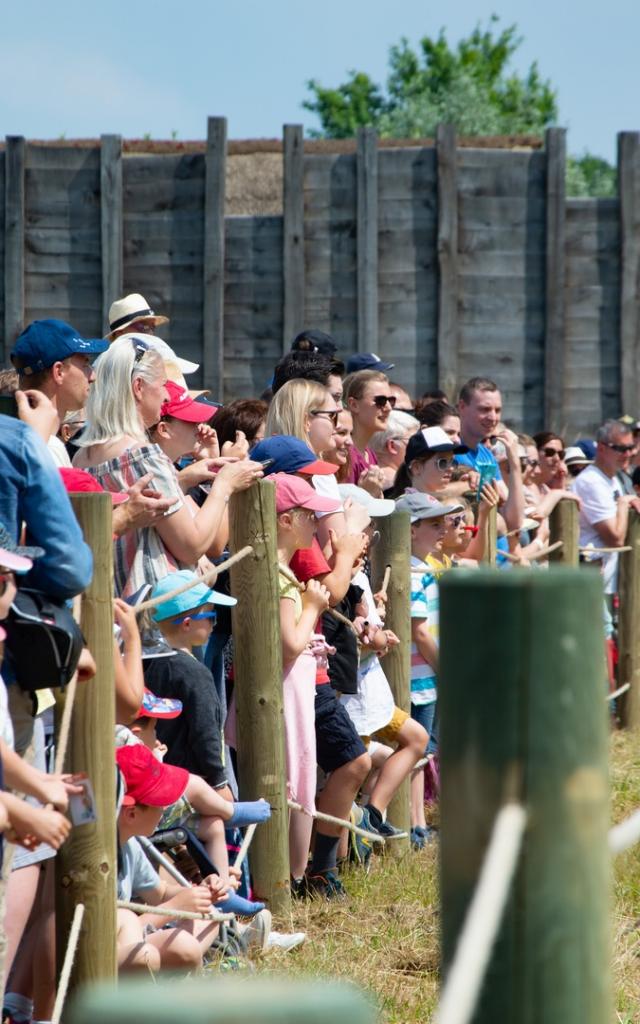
<point x="385" y="937"/>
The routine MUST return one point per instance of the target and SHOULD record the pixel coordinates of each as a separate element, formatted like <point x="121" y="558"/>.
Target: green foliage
<point x="590" y="175"/>
<point x="468" y="86"/>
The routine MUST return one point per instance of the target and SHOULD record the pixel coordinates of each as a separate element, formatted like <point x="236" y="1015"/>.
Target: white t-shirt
<point x="598" y="493"/>
<point x="371" y="708"/>
<point x="59" y="453"/>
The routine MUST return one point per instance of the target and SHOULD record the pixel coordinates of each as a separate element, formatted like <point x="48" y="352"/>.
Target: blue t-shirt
<point x="480" y="456"/>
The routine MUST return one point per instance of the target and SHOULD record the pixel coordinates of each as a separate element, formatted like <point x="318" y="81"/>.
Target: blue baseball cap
<point x="586" y="445"/>
<point x="290" y="455"/>
<point x="45" y="342"/>
<point x="367" y="361"/>
<point x="189" y="599"/>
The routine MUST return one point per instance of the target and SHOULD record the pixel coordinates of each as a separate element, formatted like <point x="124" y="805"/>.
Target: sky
<point x="141" y="67"/>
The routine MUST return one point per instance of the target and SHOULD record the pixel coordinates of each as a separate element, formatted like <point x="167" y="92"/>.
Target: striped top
<point x="424" y="605"/>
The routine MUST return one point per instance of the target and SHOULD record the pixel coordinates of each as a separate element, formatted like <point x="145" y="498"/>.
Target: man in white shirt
<point x="604" y="511"/>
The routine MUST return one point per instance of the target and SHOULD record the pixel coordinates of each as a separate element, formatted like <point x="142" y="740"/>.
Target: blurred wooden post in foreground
<point x="491" y="538"/>
<point x="86" y="865"/>
<point x="258" y="687"/>
<point x="394" y="549"/>
<point x="523" y="717"/>
<point x="629" y="624"/>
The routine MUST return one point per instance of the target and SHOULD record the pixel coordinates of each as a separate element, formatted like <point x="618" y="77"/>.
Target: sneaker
<point x="418" y="838"/>
<point x="298" y="888"/>
<point x="282" y="940"/>
<point x="325" y="883"/>
<point x="361" y="848"/>
<point x="256" y="933"/>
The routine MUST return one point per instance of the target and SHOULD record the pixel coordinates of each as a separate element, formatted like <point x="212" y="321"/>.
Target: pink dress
<point x="299" y="694"/>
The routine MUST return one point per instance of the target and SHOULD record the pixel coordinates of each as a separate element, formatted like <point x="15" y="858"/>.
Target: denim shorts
<point x="426" y="715"/>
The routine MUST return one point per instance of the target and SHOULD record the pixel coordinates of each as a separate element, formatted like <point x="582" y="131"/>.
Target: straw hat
<point x="129" y="309"/>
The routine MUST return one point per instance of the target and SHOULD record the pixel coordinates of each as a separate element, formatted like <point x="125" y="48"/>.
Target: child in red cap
<point x="150" y="787"/>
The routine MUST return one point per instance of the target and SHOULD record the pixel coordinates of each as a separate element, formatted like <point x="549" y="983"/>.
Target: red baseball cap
<point x="147" y="780"/>
<point x="182" y="406"/>
<point x="292" y="492"/>
<point x="79" y="480"/>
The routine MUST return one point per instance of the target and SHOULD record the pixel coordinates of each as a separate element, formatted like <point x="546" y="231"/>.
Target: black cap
<point x="314" y="341"/>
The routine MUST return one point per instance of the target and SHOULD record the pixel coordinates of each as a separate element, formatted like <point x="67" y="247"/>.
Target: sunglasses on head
<point x="622" y="449"/>
<point x="331" y="413"/>
<point x="382" y="400"/>
<point x="140" y="349"/>
<point x="550" y="452"/>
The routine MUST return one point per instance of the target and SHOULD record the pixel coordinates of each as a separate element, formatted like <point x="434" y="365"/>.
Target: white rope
<point x="69" y="957"/>
<point x="172" y="913"/>
<point x="246" y="843"/>
<point x="321" y="816"/>
<point x="626" y="834"/>
<point x="466" y="974"/>
<point x="618" y="692"/>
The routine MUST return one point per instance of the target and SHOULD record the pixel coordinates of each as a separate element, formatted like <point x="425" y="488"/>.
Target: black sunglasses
<point x="382" y="400"/>
<point x="140" y="348"/>
<point x="550" y="452"/>
<point x="331" y="413"/>
<point x="528" y="462"/>
<point x="622" y="449"/>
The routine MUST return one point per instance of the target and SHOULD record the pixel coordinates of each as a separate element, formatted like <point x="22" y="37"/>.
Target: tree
<point x="469" y="86"/>
<point x="590" y="175"/>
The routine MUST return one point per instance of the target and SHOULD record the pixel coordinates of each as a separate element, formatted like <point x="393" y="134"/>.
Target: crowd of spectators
<point x="345" y="446"/>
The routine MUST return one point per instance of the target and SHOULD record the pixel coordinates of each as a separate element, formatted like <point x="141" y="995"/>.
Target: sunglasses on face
<point x="455" y="521"/>
<point x="381" y="400"/>
<point x="331" y="413"/>
<point x="622" y="449"/>
<point x="442" y="463"/>
<point x="199" y="615"/>
<point x="529" y="462"/>
<point x="550" y="452"/>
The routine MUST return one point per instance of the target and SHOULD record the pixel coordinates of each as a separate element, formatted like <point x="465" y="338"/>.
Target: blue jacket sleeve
<point x="67" y="565"/>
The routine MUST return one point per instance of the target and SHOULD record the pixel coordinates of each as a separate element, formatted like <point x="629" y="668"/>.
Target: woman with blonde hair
<point x="306" y="410"/>
<point x="124" y="404"/>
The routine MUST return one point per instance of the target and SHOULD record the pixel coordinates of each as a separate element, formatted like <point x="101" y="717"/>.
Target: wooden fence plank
<point x="213" y="269"/>
<point x="629" y="192"/>
<point x="447" y="259"/>
<point x="13" y="241"/>
<point x="111" y="219"/>
<point x="293" y="233"/>
<point x="555" y="345"/>
<point x="367" y="206"/>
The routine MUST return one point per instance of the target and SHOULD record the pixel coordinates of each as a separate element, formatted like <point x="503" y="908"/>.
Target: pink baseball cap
<point x="182" y="406"/>
<point x="292" y="492"/>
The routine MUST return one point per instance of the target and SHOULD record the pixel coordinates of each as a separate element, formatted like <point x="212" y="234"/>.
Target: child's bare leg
<point x="300" y="826"/>
<point x="380" y="754"/>
<point x="134" y="953"/>
<point x="412" y="743"/>
<point x="20" y="895"/>
<point x="211" y="832"/>
<point x="208" y="801"/>
<point x="182" y="947"/>
<point x="417" y="799"/>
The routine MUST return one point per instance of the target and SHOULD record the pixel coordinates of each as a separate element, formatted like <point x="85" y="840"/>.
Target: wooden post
<point x="367" y="214"/>
<point x="394" y="549"/>
<point x="522" y="716"/>
<point x="213" y="269"/>
<point x="564" y="525"/>
<point x="629" y="616"/>
<point x="293" y="233"/>
<point x="258" y="687"/>
<point x="259" y="999"/>
<point x="111" y="219"/>
<point x="86" y="865"/>
<point x="629" y="193"/>
<point x="448" y="341"/>
<point x="14" y="157"/>
<point x="491" y="538"/>
<point x="555" y="344"/>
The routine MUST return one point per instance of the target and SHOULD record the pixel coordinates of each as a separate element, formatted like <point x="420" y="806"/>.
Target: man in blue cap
<point x="52" y="357"/>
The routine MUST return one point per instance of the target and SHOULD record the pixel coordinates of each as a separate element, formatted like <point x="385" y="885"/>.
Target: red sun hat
<point x="292" y="492"/>
<point x="76" y="480"/>
<point x="182" y="406"/>
<point x="147" y="780"/>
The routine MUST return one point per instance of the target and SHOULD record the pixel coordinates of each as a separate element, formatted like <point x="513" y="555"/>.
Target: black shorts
<point x="337" y="741"/>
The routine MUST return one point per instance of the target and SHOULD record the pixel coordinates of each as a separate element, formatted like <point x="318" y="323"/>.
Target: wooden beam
<point x="367" y="220"/>
<point x="213" y="285"/>
<point x="555" y="361"/>
<point x="13" y="240"/>
<point x="293" y="233"/>
<point x="111" y="219"/>
<point x="448" y="337"/>
<point x="629" y="193"/>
